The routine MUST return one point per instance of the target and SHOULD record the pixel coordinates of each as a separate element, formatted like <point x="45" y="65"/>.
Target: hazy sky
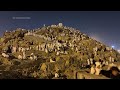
<point x="102" y="25"/>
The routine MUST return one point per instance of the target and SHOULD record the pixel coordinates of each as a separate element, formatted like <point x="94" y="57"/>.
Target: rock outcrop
<point x="51" y="51"/>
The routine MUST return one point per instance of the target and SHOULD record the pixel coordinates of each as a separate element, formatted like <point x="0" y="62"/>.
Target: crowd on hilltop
<point x="60" y="40"/>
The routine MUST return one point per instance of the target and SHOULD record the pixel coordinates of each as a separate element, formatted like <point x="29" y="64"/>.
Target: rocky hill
<point x="52" y="52"/>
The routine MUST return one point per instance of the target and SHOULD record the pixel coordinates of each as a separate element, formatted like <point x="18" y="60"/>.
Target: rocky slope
<point x="51" y="52"/>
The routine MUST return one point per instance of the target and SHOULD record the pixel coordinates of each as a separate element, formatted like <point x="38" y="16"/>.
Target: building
<point x="60" y="25"/>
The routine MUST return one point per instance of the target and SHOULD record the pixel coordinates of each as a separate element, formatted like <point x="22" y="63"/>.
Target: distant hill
<point x="41" y="52"/>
